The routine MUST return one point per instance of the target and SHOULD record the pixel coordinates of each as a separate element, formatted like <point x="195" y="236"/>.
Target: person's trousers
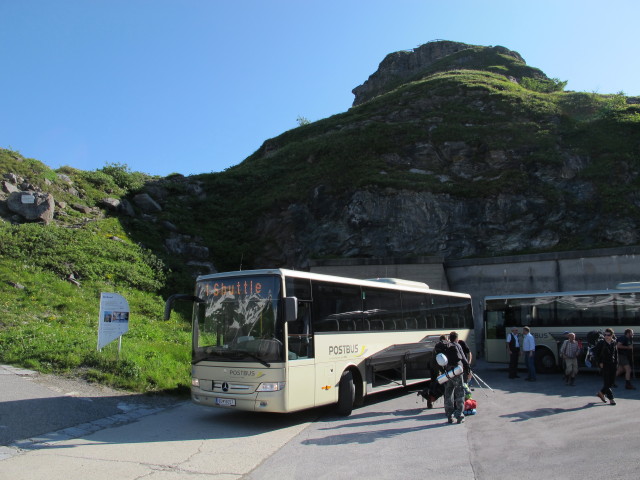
<point x="608" y="379"/>
<point x="513" y="362"/>
<point x="530" y="359"/>
<point x="454" y="397"/>
<point x="571" y="367"/>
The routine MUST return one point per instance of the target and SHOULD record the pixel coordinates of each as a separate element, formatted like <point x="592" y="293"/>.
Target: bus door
<point x="496" y="336"/>
<point x="301" y="382"/>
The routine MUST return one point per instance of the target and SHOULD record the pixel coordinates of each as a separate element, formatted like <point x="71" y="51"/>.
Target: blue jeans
<point x="530" y="361"/>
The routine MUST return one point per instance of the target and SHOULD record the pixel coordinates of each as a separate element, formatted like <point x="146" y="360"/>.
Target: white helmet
<point x="441" y="358"/>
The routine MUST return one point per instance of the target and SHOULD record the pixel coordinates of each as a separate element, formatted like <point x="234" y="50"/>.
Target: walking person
<point x="513" y="351"/>
<point x="529" y="348"/>
<point x="607" y="355"/>
<point x="569" y="352"/>
<point x="453" y="388"/>
<point x="625" y="357"/>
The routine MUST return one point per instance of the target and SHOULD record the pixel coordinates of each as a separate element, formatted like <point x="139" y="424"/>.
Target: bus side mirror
<point x="290" y="309"/>
<point x="178" y="296"/>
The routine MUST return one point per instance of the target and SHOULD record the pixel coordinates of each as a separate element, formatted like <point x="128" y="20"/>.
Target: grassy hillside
<point x="50" y="324"/>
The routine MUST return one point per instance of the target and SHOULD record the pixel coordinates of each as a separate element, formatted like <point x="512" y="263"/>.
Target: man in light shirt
<point x="529" y="348"/>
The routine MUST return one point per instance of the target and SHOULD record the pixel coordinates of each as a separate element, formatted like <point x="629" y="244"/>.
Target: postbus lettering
<point x="242" y="373"/>
<point x="540" y="335"/>
<point x="343" y="349"/>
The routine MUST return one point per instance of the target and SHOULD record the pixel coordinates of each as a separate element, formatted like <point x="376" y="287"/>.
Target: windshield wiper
<point x="255" y="357"/>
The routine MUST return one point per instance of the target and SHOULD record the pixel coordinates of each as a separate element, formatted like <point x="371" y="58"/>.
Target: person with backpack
<point x="607" y="357"/>
<point x="569" y="352"/>
<point x="434" y="389"/>
<point x="453" y="388"/>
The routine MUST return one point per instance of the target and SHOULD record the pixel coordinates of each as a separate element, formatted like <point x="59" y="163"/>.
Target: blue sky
<point x="196" y="86"/>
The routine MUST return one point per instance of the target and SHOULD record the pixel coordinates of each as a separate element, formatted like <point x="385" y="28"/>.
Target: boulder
<point x="8" y="187"/>
<point x="126" y="208"/>
<point x="147" y="204"/>
<point x="110" y="203"/>
<point x="32" y="205"/>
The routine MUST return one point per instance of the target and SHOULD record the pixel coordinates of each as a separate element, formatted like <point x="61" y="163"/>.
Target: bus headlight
<point x="195" y="382"/>
<point x="270" y="387"/>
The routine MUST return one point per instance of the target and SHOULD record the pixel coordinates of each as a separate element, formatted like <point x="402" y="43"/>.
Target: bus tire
<point x="545" y="361"/>
<point x="346" y="393"/>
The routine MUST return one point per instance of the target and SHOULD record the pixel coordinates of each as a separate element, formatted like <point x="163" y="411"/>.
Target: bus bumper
<point x="263" y="402"/>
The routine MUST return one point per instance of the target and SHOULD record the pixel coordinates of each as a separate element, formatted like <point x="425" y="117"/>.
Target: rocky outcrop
<point x="399" y="67"/>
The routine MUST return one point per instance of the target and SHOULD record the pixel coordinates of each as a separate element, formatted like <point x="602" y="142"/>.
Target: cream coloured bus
<point x="551" y="315"/>
<point x="281" y="340"/>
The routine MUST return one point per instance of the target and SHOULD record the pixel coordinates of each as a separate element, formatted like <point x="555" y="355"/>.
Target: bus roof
<point x="561" y="294"/>
<point x="396" y="284"/>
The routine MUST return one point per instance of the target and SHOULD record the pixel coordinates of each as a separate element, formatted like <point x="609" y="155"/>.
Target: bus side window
<point x="333" y="303"/>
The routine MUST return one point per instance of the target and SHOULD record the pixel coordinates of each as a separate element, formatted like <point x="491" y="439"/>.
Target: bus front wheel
<point x="346" y="394"/>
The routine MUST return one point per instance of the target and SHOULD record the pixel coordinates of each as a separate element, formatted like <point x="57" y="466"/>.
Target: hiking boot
<point x="601" y="397"/>
<point x="612" y="401"/>
<point x="429" y="403"/>
<point x="628" y="386"/>
<point x="460" y="420"/>
<point x="449" y="419"/>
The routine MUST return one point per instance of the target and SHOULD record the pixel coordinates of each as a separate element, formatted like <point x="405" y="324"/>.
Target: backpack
<point x="453" y="355"/>
<point x="440" y="347"/>
<point x="593" y="347"/>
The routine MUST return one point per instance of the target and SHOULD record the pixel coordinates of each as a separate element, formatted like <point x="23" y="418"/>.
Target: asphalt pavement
<point x="523" y="430"/>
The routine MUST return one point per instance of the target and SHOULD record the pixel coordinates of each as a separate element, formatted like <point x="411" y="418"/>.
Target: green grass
<point x="51" y="325"/>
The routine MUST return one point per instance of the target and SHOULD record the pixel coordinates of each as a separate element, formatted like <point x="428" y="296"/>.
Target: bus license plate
<point x="226" y="402"/>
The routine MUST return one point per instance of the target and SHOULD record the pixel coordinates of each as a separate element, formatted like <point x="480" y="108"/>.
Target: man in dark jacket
<point x="607" y="355"/>
<point x="513" y="351"/>
<point x="453" y="388"/>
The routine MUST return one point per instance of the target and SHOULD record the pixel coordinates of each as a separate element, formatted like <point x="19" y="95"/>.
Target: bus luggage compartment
<point x="398" y="366"/>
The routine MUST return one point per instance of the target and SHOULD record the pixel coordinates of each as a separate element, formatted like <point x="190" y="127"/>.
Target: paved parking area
<point x="523" y="430"/>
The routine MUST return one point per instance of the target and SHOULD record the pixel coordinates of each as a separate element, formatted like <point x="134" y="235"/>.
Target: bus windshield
<point x="238" y="320"/>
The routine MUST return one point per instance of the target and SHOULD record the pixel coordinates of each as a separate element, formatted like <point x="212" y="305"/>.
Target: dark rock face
<point x="376" y="223"/>
<point x="387" y="222"/>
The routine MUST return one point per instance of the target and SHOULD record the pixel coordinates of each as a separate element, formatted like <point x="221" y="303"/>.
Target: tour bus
<point x="280" y="340"/>
<point x="552" y="315"/>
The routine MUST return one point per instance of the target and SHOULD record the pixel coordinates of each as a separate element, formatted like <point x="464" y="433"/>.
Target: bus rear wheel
<point x="545" y="361"/>
<point x="346" y="393"/>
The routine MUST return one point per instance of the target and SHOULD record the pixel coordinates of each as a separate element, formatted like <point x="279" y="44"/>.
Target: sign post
<point x="114" y="319"/>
